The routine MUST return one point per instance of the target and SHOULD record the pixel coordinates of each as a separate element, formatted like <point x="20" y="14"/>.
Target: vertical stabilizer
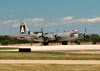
<point x="24" y="29"/>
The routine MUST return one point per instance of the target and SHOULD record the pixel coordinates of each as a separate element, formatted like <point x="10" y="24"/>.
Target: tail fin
<point x="24" y="29"/>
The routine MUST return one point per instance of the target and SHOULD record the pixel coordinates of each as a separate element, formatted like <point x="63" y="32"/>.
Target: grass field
<point x="48" y="67"/>
<point x="7" y="48"/>
<point x="47" y="56"/>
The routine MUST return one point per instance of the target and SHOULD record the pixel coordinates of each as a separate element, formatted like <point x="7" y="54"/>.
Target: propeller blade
<point x="84" y="33"/>
<point x="42" y="33"/>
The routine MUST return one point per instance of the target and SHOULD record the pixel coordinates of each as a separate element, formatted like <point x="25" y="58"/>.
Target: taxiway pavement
<point x="60" y="48"/>
<point x="50" y="62"/>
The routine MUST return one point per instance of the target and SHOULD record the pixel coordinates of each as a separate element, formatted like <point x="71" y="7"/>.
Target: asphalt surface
<point x="69" y="48"/>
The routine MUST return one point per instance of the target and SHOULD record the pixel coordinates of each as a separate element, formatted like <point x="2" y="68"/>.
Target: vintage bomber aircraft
<point x="46" y="38"/>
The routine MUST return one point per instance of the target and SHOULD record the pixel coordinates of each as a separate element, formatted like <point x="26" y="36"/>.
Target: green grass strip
<point x="48" y="56"/>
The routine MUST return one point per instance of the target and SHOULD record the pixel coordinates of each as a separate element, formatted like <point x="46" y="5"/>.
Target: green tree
<point x="95" y="38"/>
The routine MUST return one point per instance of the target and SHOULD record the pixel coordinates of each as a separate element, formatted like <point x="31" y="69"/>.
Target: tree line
<point x="94" y="38"/>
<point x="5" y="40"/>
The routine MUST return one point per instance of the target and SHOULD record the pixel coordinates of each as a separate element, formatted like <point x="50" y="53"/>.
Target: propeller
<point x="56" y="38"/>
<point x="43" y="36"/>
<point x="84" y="35"/>
<point x="42" y="33"/>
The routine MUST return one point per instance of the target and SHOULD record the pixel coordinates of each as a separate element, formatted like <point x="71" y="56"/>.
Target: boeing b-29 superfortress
<point x="46" y="38"/>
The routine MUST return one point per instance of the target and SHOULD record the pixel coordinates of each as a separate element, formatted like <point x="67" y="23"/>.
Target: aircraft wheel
<point x="64" y="42"/>
<point x="78" y="42"/>
<point x="46" y="43"/>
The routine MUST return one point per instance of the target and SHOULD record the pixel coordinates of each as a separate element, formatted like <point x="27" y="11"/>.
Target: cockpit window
<point x="72" y="32"/>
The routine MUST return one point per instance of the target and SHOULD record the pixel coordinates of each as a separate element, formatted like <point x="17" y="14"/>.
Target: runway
<point x="60" y="48"/>
<point x="50" y="62"/>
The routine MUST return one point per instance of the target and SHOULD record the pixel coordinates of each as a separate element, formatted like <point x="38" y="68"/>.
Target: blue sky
<point x="50" y="15"/>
